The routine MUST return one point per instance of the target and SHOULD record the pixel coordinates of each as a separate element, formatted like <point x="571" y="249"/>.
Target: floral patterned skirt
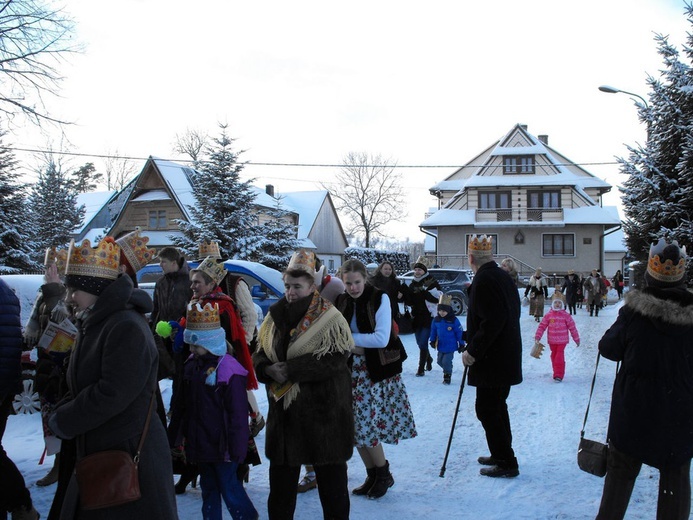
<point x="382" y="412"/>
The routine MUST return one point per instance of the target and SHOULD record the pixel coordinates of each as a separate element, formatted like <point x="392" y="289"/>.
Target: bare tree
<point x="119" y="170"/>
<point x="369" y="194"/>
<point x="34" y="39"/>
<point x="191" y="143"/>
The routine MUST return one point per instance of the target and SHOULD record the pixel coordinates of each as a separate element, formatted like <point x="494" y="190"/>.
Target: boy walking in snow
<point x="446" y="336"/>
<point x="559" y="324"/>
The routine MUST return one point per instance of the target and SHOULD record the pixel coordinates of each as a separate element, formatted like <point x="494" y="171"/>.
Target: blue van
<point x="266" y="284"/>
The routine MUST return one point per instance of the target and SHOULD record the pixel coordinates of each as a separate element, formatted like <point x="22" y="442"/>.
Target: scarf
<point x="322" y="330"/>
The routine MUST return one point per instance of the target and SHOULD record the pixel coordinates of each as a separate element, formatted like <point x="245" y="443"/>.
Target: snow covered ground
<point x="546" y="418"/>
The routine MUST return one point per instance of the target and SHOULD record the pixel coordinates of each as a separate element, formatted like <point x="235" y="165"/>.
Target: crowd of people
<point x="330" y="358"/>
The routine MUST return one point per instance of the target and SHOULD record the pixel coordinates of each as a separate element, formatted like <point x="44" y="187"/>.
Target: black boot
<point x="364" y="488"/>
<point x="383" y="481"/>
<point x="188" y="476"/>
<point x="422" y="362"/>
<point x="429" y="363"/>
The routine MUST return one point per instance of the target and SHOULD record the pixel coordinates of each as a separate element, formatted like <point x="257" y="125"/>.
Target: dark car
<point x="266" y="284"/>
<point x="453" y="282"/>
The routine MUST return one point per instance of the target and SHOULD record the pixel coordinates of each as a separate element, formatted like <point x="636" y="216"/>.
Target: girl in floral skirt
<point x="381" y="407"/>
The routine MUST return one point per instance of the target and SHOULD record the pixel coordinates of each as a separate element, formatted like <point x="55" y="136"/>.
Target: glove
<point x="433" y="344"/>
<point x="173" y="330"/>
<point x="460" y="347"/>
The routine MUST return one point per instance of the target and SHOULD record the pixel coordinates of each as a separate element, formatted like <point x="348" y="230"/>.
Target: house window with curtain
<point x="157" y="219"/>
<point x="544" y="199"/>
<point x="518" y="164"/>
<point x="558" y="244"/>
<point x="496" y="202"/>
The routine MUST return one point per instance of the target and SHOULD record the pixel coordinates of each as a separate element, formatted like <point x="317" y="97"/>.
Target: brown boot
<point x="364" y="488"/>
<point x="383" y="481"/>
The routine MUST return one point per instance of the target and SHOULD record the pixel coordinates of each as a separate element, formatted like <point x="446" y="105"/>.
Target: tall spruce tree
<point x="16" y="241"/>
<point x="224" y="204"/>
<point x="658" y="193"/>
<point x="278" y="239"/>
<point x="54" y="211"/>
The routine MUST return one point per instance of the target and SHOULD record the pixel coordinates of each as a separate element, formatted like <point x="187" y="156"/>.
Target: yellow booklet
<point x="279" y="390"/>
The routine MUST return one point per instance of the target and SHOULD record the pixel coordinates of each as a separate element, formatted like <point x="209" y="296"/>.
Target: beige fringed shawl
<point x="323" y="330"/>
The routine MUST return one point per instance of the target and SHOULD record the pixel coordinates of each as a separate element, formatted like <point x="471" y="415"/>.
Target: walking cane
<point x="454" y="421"/>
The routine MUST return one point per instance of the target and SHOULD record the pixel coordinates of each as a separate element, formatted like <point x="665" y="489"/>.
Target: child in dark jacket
<point x="446" y="336"/>
<point x="213" y="417"/>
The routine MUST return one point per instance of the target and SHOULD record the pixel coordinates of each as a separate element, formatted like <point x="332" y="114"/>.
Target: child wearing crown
<point x="211" y="417"/>
<point x="446" y="336"/>
<point x="559" y="323"/>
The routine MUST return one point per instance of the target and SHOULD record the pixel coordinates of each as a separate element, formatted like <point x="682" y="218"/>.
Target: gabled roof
<point x="93" y="203"/>
<point x="307" y="204"/>
<point x="555" y="168"/>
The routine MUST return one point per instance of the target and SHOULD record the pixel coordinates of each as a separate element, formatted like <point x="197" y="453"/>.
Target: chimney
<point x="269" y="189"/>
<point x="544" y="139"/>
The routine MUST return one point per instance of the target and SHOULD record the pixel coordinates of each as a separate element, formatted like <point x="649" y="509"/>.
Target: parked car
<point x="266" y="284"/>
<point x="453" y="282"/>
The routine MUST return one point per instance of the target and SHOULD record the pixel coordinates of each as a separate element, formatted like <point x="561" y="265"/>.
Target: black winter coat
<point x="10" y="341"/>
<point x="111" y="376"/>
<point x="652" y="403"/>
<point x="427" y="289"/>
<point x="493" y="328"/>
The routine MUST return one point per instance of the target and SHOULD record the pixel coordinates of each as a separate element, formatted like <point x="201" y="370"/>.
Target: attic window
<point x="518" y="164"/>
<point x="157" y="219"/>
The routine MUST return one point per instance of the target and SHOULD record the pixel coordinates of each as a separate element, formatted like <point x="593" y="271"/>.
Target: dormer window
<point x="518" y="164"/>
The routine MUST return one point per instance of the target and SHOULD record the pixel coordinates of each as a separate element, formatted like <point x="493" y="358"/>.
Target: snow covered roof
<point x="307" y="204"/>
<point x="93" y="203"/>
<point x="178" y="180"/>
<point x="615" y="241"/>
<point x="607" y="215"/>
<point x="152" y="195"/>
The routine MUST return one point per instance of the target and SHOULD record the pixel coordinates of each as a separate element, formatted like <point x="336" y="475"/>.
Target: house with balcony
<point x="540" y="208"/>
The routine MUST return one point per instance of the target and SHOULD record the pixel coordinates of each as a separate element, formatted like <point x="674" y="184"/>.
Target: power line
<point x="290" y="165"/>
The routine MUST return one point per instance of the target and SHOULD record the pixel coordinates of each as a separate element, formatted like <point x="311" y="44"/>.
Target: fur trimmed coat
<point x="652" y="403"/>
<point x="111" y="377"/>
<point x="318" y="426"/>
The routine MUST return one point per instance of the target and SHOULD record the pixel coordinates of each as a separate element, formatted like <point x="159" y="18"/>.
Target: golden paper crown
<point x="102" y="261"/>
<point x="445" y="299"/>
<point x="134" y="248"/>
<point x="209" y="249"/>
<point x="215" y="270"/>
<point x="667" y="270"/>
<point x="423" y="261"/>
<point x="202" y="318"/>
<point x="59" y="258"/>
<point x="303" y="260"/>
<point x="480" y="244"/>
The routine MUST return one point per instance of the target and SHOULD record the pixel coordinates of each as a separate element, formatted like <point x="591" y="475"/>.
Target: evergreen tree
<point x="658" y="193"/>
<point x="54" y="211"/>
<point x="86" y="178"/>
<point x="278" y="239"/>
<point x="16" y="243"/>
<point x="224" y="209"/>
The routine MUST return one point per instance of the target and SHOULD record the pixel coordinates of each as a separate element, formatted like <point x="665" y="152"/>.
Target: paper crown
<point x="667" y="261"/>
<point x="423" y="261"/>
<point x="59" y="258"/>
<point x="202" y="318"/>
<point x="445" y="299"/>
<point x="480" y="244"/>
<point x="102" y="261"/>
<point x="134" y="248"/>
<point x="209" y="249"/>
<point x="303" y="260"/>
<point x="215" y="270"/>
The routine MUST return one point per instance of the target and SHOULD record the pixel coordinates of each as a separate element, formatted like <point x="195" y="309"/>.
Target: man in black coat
<point x="14" y="496"/>
<point x="494" y="353"/>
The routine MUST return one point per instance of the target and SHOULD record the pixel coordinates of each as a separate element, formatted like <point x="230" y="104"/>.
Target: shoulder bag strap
<point x="594" y="378"/>
<point x="136" y="458"/>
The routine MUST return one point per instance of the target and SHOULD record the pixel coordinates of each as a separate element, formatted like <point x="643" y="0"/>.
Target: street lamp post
<point x="614" y="90"/>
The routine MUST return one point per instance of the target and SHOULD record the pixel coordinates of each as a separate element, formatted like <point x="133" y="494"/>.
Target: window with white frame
<point x="558" y="244"/>
<point x="518" y="164"/>
<point x="544" y="198"/>
<point x="494" y="200"/>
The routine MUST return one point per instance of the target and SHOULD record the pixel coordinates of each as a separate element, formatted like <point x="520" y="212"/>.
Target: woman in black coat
<point x="386" y="280"/>
<point x="651" y="418"/>
<point x="112" y="377"/>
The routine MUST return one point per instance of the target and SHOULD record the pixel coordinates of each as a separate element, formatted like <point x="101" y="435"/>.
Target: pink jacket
<point x="558" y="323"/>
